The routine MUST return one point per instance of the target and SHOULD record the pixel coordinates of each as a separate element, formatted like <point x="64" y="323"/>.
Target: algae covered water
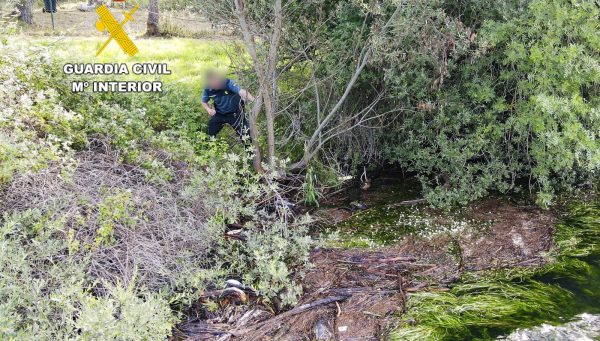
<point x="557" y="300"/>
<point x="578" y="272"/>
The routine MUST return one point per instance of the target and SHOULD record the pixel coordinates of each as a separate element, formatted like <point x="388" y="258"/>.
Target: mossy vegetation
<point x="480" y="310"/>
<point x="494" y="303"/>
<point x="378" y="226"/>
<point x="488" y="303"/>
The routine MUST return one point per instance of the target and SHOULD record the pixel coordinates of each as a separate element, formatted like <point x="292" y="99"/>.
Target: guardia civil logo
<point x="108" y="23"/>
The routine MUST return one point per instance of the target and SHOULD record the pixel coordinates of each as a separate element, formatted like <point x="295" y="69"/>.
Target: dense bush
<point x="514" y="108"/>
<point x="479" y="98"/>
<point x="472" y="97"/>
<point x="34" y="128"/>
<point x="46" y="294"/>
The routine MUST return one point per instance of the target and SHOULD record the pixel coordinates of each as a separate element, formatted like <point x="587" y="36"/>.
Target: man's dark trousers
<point x="236" y="120"/>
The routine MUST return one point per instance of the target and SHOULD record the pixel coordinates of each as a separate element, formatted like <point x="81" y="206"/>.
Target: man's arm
<point x="205" y="105"/>
<point x="208" y="109"/>
<point x="231" y="86"/>
<point x="246" y="95"/>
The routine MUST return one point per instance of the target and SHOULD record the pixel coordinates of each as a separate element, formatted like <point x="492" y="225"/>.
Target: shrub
<point x="35" y="129"/>
<point x="46" y="293"/>
<point x="273" y="248"/>
<point x="270" y="259"/>
<point x="124" y="315"/>
<point x="512" y="107"/>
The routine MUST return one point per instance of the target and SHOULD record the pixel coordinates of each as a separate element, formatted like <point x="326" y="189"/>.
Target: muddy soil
<point x="357" y="293"/>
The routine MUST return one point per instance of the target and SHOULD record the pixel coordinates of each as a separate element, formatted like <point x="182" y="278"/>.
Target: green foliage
<point x="46" y="293"/>
<point x="474" y="97"/>
<point x="519" y="102"/>
<point x="310" y="191"/>
<point x="272" y="249"/>
<point x="35" y="129"/>
<point x="40" y="286"/>
<point x="269" y="258"/>
<point x="129" y="205"/>
<point x="479" y="310"/>
<point x="125" y="315"/>
<point x="114" y="208"/>
<point x="228" y="188"/>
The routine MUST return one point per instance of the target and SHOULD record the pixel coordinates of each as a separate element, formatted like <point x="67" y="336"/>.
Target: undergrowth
<point x="113" y="212"/>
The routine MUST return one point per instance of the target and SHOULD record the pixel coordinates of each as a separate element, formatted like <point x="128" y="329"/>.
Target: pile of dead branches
<point x="160" y="236"/>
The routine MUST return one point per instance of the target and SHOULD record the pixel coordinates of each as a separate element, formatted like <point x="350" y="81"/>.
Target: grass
<point x="187" y="59"/>
<point x="178" y="107"/>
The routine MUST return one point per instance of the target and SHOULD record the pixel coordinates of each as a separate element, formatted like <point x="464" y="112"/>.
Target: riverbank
<point x="391" y="269"/>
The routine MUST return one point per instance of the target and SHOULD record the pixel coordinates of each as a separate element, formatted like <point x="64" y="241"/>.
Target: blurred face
<point x="215" y="81"/>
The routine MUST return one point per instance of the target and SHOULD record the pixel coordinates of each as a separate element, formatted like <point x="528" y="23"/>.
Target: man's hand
<point x="246" y="95"/>
<point x="208" y="109"/>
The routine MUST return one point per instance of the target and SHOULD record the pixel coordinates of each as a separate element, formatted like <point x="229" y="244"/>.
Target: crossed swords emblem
<point x="107" y="22"/>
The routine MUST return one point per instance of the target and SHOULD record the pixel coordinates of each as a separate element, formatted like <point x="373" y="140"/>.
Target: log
<point x="409" y="202"/>
<point x="362" y="290"/>
<point x="298" y="310"/>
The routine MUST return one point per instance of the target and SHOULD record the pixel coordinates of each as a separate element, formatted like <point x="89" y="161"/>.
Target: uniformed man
<point x="227" y="104"/>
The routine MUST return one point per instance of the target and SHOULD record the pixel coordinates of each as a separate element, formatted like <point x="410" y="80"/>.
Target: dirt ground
<point x="518" y="236"/>
<point x="354" y="294"/>
<point x="70" y="21"/>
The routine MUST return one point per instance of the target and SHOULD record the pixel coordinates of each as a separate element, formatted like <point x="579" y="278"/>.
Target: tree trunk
<point x="153" y="19"/>
<point x="270" y="101"/>
<point x="25" y="8"/>
<point x="248" y="39"/>
<point x="257" y="160"/>
<point x="265" y="69"/>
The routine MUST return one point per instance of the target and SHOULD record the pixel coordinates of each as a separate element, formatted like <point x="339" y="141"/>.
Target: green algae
<point x="386" y="223"/>
<point x="485" y="305"/>
<point x="489" y="303"/>
<point x="378" y="226"/>
<point x="381" y="224"/>
<point x="479" y="310"/>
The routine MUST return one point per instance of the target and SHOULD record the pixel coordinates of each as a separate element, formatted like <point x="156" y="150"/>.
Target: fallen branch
<point x="361" y="290"/>
<point x="409" y="202"/>
<point x="372" y="314"/>
<point x="367" y="260"/>
<point x="398" y="259"/>
<point x="298" y="310"/>
<point x="401" y="287"/>
<point x="416" y="288"/>
<point x="201" y="330"/>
